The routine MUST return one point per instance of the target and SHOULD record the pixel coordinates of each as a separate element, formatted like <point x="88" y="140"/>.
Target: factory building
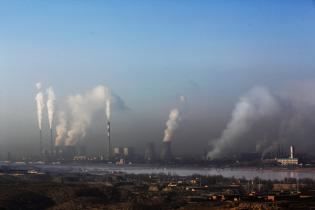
<point x="291" y="160"/>
<point x="117" y="152"/>
<point x="123" y="153"/>
<point x="69" y="153"/>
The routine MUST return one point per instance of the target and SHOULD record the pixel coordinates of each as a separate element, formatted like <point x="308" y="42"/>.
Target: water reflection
<point x="248" y="173"/>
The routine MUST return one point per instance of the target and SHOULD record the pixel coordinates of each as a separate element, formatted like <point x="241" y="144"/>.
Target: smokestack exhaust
<point x="51" y="110"/>
<point x="39" y="108"/>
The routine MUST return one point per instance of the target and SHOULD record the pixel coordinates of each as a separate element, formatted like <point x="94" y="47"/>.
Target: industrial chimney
<point x="51" y="143"/>
<point x="108" y="145"/>
<point x="40" y="144"/>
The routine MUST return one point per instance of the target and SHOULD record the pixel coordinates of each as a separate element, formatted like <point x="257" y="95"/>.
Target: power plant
<point x="291" y="160"/>
<point x="72" y="127"/>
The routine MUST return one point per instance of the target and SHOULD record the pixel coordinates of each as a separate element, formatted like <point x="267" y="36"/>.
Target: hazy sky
<point x="149" y="53"/>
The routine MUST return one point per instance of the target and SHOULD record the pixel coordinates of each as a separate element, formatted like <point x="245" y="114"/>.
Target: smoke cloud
<point x="171" y="125"/>
<point x="108" y="106"/>
<point x="50" y="105"/>
<point x="82" y="107"/>
<point x="39" y="104"/>
<point x="61" y="129"/>
<point x="252" y="107"/>
<point x="73" y="123"/>
<point x="172" y="122"/>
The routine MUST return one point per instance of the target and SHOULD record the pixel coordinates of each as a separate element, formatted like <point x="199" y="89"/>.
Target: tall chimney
<point x="40" y="143"/>
<point x="291" y="152"/>
<point x="108" y="145"/>
<point x="51" y="142"/>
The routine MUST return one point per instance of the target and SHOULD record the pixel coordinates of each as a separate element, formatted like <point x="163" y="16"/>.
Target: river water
<point x="248" y="173"/>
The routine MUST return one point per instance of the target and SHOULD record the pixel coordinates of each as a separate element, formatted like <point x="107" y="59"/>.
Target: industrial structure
<point x="40" y="144"/>
<point x="51" y="142"/>
<point x="291" y="160"/>
<point x="108" y="145"/>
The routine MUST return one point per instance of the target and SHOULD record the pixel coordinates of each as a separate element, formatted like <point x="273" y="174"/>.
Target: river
<point x="248" y="173"/>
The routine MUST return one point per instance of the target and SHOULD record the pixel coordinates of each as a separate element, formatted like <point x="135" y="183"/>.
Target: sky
<point x="149" y="53"/>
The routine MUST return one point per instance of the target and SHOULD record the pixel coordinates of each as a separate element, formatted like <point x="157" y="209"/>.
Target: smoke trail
<point x="108" y="107"/>
<point x="61" y="129"/>
<point x="39" y="104"/>
<point x="172" y="122"/>
<point x="82" y="108"/>
<point x="171" y="125"/>
<point x="50" y="105"/>
<point x="255" y="105"/>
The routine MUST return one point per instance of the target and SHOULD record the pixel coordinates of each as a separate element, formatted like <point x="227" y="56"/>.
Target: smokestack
<point x="291" y="152"/>
<point x="51" y="110"/>
<point x="108" y="113"/>
<point x="51" y="142"/>
<point x="108" y="145"/>
<point x="166" y="153"/>
<point x="40" y="144"/>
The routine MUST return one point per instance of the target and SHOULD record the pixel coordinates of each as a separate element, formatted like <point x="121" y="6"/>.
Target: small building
<point x="288" y="161"/>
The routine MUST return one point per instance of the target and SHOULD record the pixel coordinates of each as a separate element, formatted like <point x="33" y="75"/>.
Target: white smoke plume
<point x="108" y="106"/>
<point x="61" y="129"/>
<point x="255" y="105"/>
<point x="82" y="108"/>
<point x="39" y="104"/>
<point x="172" y="122"/>
<point x="50" y="105"/>
<point x="171" y="125"/>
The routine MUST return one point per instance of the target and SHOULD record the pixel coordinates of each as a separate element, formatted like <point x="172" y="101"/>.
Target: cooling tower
<point x="166" y="153"/>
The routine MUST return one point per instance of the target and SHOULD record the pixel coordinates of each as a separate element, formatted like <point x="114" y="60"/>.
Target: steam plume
<point x="61" y="129"/>
<point x="255" y="105"/>
<point x="73" y="122"/>
<point x="50" y="105"/>
<point x="82" y="108"/>
<point x="172" y="122"/>
<point x="39" y="105"/>
<point x="171" y="125"/>
<point x="108" y="107"/>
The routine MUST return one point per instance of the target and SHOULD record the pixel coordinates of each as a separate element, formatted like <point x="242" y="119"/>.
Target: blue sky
<point x="150" y="52"/>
